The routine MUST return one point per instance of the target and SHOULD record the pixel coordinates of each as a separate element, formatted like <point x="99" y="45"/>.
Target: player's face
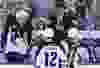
<point x="21" y="16"/>
<point x="74" y="34"/>
<point x="22" y="20"/>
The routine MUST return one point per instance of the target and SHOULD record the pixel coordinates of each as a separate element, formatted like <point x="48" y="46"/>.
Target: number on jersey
<point x="51" y="62"/>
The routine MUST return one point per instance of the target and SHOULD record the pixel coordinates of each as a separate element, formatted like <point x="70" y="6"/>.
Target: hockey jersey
<point x="51" y="57"/>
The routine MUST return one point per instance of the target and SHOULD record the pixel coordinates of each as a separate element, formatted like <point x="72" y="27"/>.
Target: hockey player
<point x="45" y="43"/>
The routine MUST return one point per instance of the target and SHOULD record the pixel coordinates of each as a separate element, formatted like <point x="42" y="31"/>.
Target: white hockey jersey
<point x="49" y="57"/>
